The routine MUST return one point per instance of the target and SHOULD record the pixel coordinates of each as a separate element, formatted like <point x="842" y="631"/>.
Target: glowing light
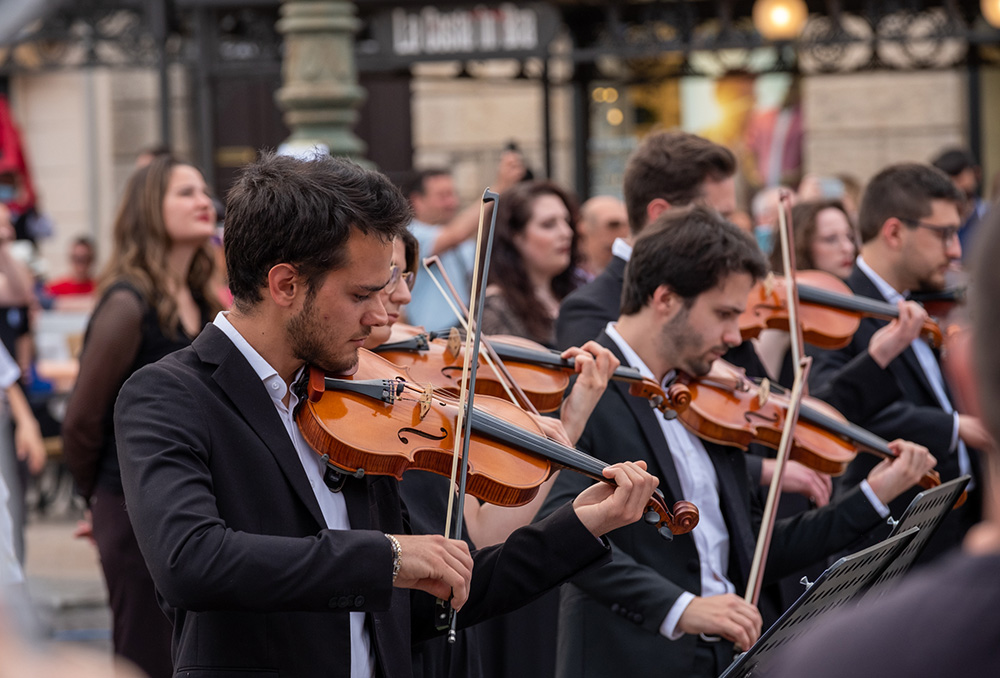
<point x="780" y="19"/>
<point x="991" y="12"/>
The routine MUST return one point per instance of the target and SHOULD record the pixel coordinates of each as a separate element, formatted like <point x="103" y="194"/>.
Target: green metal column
<point x="320" y="93"/>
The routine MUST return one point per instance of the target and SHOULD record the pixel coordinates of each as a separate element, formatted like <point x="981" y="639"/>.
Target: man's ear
<point x="284" y="284"/>
<point x="665" y="301"/>
<point x="892" y="232"/>
<point x="655" y="208"/>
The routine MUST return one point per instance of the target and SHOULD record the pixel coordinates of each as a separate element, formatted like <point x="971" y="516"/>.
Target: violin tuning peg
<point x="651" y="517"/>
<point x="669" y="414"/>
<point x="666" y="533"/>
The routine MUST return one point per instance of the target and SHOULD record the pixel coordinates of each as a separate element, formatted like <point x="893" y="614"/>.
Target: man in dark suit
<point x="267" y="562"/>
<point x="675" y="609"/>
<point x="962" y="589"/>
<point x="909" y="221"/>
<point x="668" y="169"/>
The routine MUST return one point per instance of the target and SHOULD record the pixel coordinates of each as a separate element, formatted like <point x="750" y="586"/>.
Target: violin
<point x="829" y="312"/>
<point x="940" y="303"/>
<point x="379" y="421"/>
<point x="541" y="374"/>
<point x="727" y="407"/>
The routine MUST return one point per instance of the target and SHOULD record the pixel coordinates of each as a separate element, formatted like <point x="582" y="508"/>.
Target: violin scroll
<point x="682" y="520"/>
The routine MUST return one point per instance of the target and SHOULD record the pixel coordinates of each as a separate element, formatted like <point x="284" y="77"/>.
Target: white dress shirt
<point x="10" y="569"/>
<point x="332" y="504"/>
<point x="700" y="485"/>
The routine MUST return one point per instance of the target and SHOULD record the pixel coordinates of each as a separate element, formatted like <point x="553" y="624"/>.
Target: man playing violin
<point x="670" y="170"/>
<point x="267" y="563"/>
<point x="676" y="609"/>
<point x="909" y="221"/>
<point x="901" y="634"/>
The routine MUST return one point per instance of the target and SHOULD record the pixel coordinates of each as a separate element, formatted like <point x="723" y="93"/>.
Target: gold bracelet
<point x="397" y="556"/>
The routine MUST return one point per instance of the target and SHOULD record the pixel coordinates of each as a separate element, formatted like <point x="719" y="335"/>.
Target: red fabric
<point x="13" y="159"/>
<point x="70" y="286"/>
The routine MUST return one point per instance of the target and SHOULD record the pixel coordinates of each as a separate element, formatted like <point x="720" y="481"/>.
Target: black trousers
<point x="140" y="630"/>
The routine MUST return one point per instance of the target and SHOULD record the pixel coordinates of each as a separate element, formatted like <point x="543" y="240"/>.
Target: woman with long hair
<point x="825" y="239"/>
<point x="534" y="259"/>
<point x="155" y="297"/>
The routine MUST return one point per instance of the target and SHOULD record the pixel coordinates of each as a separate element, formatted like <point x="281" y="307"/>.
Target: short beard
<point x="307" y="340"/>
<point x="677" y="338"/>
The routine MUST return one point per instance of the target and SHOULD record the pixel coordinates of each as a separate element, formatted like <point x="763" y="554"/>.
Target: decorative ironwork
<point x="630" y="41"/>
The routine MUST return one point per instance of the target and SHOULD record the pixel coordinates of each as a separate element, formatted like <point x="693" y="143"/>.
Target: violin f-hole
<point x="422" y="434"/>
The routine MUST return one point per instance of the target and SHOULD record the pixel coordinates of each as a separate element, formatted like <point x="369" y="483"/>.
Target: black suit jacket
<point x="236" y="543"/>
<point x="587" y="309"/>
<point x="609" y="619"/>
<point x="915" y="415"/>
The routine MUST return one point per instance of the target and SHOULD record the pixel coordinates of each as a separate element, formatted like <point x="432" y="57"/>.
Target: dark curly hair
<point x="507" y="269"/>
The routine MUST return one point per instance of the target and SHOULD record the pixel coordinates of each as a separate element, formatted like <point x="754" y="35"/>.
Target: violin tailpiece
<point x="386" y="390"/>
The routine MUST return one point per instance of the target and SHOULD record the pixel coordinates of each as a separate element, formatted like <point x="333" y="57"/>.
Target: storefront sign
<point x="477" y="32"/>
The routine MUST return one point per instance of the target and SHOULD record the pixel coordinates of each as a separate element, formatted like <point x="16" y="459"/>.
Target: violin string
<point x="465" y="327"/>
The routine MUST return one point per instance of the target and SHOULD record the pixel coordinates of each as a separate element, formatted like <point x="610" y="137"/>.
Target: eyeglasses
<point x="947" y="234"/>
<point x="395" y="275"/>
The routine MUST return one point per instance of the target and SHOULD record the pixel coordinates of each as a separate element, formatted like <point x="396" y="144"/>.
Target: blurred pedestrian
<point x="603" y="218"/>
<point x="533" y="266"/>
<point x="155" y="298"/>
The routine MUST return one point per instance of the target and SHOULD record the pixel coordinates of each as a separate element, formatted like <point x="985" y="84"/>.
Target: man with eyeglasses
<point x="908" y="222"/>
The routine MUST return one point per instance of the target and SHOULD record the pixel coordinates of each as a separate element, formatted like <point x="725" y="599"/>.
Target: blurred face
<point x="833" y="249"/>
<point x="6" y="227"/>
<point x="698" y="335"/>
<point x="719" y="195"/>
<point x="188" y="212"/>
<point x="81" y="258"/>
<point x="929" y="248"/>
<point x="606" y="219"/>
<point x="546" y="241"/>
<point x="334" y="321"/>
<point x="439" y="202"/>
<point x="394" y="298"/>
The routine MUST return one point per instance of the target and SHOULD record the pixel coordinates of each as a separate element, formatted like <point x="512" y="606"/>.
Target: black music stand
<point x="839" y="584"/>
<point x="927" y="510"/>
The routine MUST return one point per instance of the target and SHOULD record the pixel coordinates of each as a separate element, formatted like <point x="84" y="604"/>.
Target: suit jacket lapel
<point x="646" y="417"/>
<point x="241" y="384"/>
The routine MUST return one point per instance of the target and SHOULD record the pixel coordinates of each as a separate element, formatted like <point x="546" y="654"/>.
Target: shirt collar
<point x="265" y="372"/>
<point x="632" y="358"/>
<point x="621" y="249"/>
<point x="887" y="290"/>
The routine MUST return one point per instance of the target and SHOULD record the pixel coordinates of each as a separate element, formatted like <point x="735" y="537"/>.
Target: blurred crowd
<point x="163" y="279"/>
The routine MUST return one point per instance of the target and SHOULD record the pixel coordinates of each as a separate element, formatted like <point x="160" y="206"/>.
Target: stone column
<point x="320" y="93"/>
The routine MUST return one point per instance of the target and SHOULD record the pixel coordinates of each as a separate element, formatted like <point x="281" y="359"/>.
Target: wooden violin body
<point x="541" y="374"/>
<point x="379" y="421"/>
<point x="728" y="408"/>
<point x="829" y="312"/>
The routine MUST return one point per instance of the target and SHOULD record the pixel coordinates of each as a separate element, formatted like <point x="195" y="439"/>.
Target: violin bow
<point x="510" y="386"/>
<point x="802" y="364"/>
<point x="468" y="390"/>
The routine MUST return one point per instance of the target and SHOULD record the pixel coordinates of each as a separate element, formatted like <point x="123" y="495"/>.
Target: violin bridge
<point x="425" y="400"/>
<point x="764" y="393"/>
<point x="454" y="346"/>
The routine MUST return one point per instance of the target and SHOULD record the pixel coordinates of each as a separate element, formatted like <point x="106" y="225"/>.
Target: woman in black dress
<point x="154" y="299"/>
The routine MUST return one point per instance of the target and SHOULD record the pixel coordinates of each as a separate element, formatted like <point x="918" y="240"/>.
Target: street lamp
<point x="784" y="19"/>
<point x="991" y="12"/>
